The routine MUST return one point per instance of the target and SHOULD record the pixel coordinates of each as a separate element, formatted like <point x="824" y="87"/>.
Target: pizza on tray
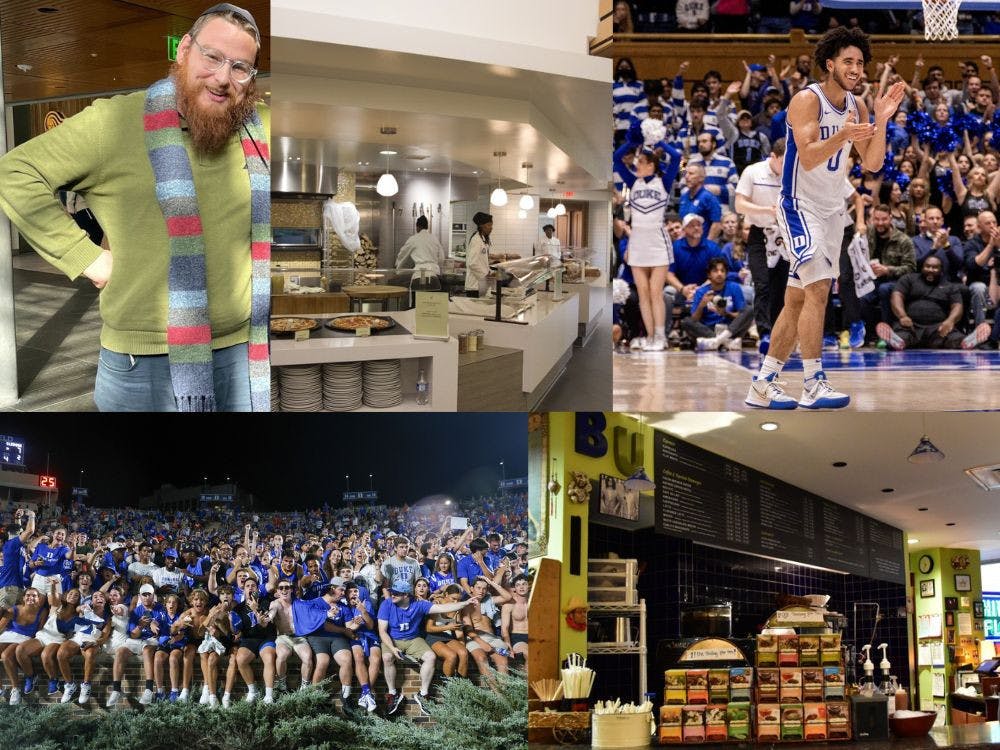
<point x="354" y="322"/>
<point x="291" y="325"/>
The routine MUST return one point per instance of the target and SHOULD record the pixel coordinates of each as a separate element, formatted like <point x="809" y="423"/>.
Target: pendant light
<point x="551" y="213"/>
<point x="499" y="196"/>
<point x="560" y="209"/>
<point x="925" y="452"/>
<point x="387" y="185"/>
<point x="527" y="202"/>
<point x="639" y="480"/>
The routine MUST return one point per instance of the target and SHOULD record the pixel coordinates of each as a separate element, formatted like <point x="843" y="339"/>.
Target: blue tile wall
<point x="673" y="572"/>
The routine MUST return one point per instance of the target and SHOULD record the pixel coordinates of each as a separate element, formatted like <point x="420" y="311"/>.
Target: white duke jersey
<point x="819" y="188"/>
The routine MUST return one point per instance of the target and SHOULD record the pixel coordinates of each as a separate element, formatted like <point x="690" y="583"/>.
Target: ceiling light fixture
<point x="925" y="452"/>
<point x="560" y="209"/>
<point x="387" y="185"/>
<point x="499" y="196"/>
<point x="913" y="541"/>
<point x="768" y="426"/>
<point x="527" y="202"/>
<point x="640" y="481"/>
<point x="551" y="213"/>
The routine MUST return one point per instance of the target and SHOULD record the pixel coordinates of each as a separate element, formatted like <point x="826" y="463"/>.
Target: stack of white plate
<point x="275" y="391"/>
<point x="383" y="384"/>
<point x="342" y="389"/>
<point x="301" y="388"/>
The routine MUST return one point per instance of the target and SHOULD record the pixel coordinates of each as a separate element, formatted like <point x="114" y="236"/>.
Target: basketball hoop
<point x="940" y="20"/>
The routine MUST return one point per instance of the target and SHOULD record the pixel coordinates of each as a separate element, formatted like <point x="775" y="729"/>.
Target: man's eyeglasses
<point x="240" y="71"/>
<point x="284" y="588"/>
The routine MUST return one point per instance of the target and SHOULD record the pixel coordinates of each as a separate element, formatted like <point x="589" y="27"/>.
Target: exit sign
<point x="172" y="43"/>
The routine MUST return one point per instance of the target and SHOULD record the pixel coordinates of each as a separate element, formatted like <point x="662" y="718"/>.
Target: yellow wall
<point x="943" y="576"/>
<point x="562" y="428"/>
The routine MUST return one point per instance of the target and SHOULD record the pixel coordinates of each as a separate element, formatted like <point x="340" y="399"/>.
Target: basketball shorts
<point x="811" y="243"/>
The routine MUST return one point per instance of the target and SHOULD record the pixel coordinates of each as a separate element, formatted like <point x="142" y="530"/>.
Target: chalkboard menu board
<point x="707" y="498"/>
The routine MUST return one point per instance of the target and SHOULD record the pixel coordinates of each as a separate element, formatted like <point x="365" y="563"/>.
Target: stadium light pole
<point x="371" y="482"/>
<point x="347" y="481"/>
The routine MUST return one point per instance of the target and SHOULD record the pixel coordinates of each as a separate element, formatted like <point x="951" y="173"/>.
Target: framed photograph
<point x="963" y="602"/>
<point x="977" y="625"/>
<point x="927" y="588"/>
<point x="963" y="582"/>
<point x="617" y="499"/>
<point x="977" y="610"/>
<point x="951" y="602"/>
<point x="950" y="637"/>
<point x="949" y="619"/>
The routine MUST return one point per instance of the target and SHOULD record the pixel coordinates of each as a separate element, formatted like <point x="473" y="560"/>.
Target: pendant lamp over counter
<point x="499" y="196"/>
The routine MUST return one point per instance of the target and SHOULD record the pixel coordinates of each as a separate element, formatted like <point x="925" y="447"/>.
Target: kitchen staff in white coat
<point x="550" y="245"/>
<point x="477" y="254"/>
<point x="423" y="249"/>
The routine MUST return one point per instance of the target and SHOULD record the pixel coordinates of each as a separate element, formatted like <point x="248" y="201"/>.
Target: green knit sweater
<point x="101" y="153"/>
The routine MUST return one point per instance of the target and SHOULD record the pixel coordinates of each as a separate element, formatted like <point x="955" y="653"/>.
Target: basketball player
<point x="824" y="121"/>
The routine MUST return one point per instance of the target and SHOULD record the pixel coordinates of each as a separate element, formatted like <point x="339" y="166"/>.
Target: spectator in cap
<point x="169" y="578"/>
<point x="477" y="255"/>
<point x="322" y="622"/>
<point x="750" y="145"/>
<point x="690" y="267"/>
<point x="146" y="623"/>
<point x="400" y="621"/>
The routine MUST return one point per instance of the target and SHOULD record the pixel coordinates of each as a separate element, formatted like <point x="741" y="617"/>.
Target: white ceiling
<point x="457" y="113"/>
<point x="875" y="447"/>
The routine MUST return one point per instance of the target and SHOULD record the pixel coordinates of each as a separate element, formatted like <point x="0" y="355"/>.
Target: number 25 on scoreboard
<point x="47" y="482"/>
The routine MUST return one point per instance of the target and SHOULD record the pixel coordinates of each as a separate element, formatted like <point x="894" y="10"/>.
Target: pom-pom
<point x="919" y="123"/>
<point x="653" y="131"/>
<point x="944" y="184"/>
<point x="903" y="180"/>
<point x="619" y="291"/>
<point x="634" y="135"/>
<point x="944" y="139"/>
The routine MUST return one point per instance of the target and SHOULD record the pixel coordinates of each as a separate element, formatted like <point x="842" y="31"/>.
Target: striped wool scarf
<point x="189" y="331"/>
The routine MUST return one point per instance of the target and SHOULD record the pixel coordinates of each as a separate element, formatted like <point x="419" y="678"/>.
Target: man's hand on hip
<point x="99" y="271"/>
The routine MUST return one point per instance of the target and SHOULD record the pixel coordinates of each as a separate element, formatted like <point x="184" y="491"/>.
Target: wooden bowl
<point x="912" y="726"/>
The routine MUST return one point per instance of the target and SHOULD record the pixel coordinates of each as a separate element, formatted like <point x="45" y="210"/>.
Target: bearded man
<point x="178" y="176"/>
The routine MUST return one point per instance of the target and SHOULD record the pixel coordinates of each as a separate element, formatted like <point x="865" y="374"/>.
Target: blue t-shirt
<point x="53" y="557"/>
<point x="156" y="612"/>
<point x="310" y="615"/>
<point x="493" y="558"/>
<point x="734" y="302"/>
<point x="440" y="580"/>
<point x="691" y="263"/>
<point x="12" y="570"/>
<point x="469" y="569"/>
<point x="404" y="624"/>
<point x="702" y="203"/>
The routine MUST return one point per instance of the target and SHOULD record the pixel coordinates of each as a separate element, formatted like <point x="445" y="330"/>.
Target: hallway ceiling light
<point x="499" y="196"/>
<point x="560" y="209"/>
<point x="551" y="213"/>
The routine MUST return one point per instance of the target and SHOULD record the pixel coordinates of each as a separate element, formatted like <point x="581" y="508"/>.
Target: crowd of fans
<point x="777" y="17"/>
<point x="935" y="197"/>
<point x="357" y="590"/>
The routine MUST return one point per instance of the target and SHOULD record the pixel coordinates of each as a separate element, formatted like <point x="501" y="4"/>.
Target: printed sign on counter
<point x="431" y="321"/>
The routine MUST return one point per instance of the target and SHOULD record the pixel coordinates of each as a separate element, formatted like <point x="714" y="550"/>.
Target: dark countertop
<point x="960" y="736"/>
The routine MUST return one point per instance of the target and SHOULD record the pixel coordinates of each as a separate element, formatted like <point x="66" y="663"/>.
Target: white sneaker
<point x="203" y="701"/>
<point x="766" y="393"/>
<point x="720" y="327"/>
<point x="639" y="342"/>
<point x="84" y="694"/>
<point x="184" y="696"/>
<point x="656" y="344"/>
<point x="251" y="695"/>
<point x="116" y="695"/>
<point x="268" y="699"/>
<point x="345" y="691"/>
<point x="15" y="697"/>
<point x="367" y="701"/>
<point x="817" y="393"/>
<point x="707" y="344"/>
<point x="213" y="701"/>
<point x="68" y="691"/>
<point x="227" y="701"/>
<point x="146" y="698"/>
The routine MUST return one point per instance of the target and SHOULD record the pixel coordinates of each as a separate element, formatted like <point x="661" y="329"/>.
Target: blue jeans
<point x="774" y="25"/>
<point x="127" y="382"/>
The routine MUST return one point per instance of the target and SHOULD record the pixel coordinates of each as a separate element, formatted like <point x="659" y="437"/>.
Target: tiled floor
<point x="57" y="329"/>
<point x="586" y="385"/>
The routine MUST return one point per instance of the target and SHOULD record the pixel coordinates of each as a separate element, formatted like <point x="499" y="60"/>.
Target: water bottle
<point x="422" y="388"/>
<point x="502" y="651"/>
